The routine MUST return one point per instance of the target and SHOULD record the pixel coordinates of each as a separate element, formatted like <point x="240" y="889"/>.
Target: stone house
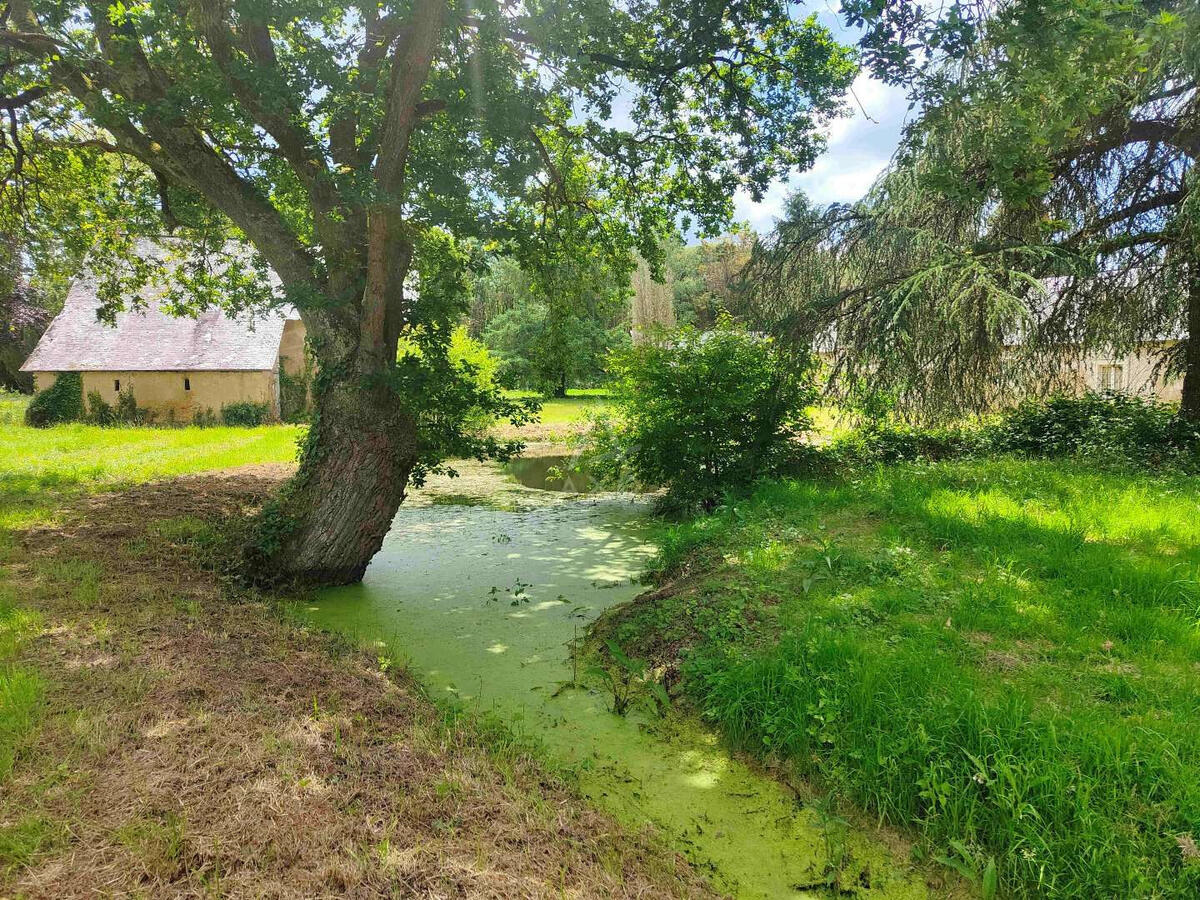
<point x="178" y="368"/>
<point x="1135" y="372"/>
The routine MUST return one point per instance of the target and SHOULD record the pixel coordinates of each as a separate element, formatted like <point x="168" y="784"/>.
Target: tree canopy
<point x="1041" y="206"/>
<point x="335" y="136"/>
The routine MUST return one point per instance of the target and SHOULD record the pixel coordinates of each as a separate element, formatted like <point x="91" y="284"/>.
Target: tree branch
<point x="410" y="70"/>
<point x="178" y="151"/>
<point x="1148" y="131"/>
<point x="1133" y="210"/>
<point x="278" y="119"/>
<point x="25" y="97"/>
<point x="32" y="42"/>
<point x="381" y="34"/>
<point x="389" y="251"/>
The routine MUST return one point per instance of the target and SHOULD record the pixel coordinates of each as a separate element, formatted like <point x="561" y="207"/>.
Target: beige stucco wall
<point x="163" y="393"/>
<point x="291" y="347"/>
<point x="1137" y="374"/>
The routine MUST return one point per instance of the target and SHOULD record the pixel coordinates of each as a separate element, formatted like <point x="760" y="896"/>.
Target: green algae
<point x="486" y="602"/>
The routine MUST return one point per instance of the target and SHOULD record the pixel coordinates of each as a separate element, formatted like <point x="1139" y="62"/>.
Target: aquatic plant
<point x="629" y="681"/>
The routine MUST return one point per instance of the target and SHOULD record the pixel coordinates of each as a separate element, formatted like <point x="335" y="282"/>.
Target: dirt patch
<point x="195" y="742"/>
<point x="539" y="432"/>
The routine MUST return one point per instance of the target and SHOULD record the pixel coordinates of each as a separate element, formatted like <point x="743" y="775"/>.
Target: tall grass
<point x="1003" y="654"/>
<point x="20" y="687"/>
<point x="12" y="407"/>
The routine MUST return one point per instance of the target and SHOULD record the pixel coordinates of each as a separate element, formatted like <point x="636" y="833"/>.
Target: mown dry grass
<point x="193" y="742"/>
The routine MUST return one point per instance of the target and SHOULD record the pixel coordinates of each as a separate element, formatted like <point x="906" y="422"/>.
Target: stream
<point x="483" y="584"/>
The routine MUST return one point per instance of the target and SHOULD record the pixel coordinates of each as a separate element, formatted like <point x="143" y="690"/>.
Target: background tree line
<point x="555" y="328"/>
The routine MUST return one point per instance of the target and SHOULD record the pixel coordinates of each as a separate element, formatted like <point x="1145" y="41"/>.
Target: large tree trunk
<point x="330" y="520"/>
<point x="1189" y="403"/>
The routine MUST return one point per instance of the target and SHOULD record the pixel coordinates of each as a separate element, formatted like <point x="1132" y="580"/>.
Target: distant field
<point x="572" y="408"/>
<point x="559" y="416"/>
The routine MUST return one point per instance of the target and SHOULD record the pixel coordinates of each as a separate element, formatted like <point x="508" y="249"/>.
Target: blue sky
<point x="859" y="146"/>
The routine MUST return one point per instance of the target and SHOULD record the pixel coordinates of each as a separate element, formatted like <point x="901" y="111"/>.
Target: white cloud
<point x="859" y="148"/>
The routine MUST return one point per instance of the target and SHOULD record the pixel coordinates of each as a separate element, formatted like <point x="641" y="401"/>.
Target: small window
<point x="187" y="384"/>
<point x="117" y="385"/>
<point x="1112" y="377"/>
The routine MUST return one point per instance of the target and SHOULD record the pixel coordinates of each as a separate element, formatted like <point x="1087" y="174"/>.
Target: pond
<point x="549" y="473"/>
<point x="484" y="599"/>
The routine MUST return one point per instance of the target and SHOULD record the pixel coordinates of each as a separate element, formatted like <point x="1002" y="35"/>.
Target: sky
<point x="859" y="146"/>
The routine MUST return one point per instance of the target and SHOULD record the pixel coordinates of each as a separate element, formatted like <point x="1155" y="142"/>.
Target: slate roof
<point x="152" y="340"/>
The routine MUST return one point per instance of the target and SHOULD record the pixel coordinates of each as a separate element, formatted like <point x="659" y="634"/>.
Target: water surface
<point x="485" y="601"/>
<point x="550" y="473"/>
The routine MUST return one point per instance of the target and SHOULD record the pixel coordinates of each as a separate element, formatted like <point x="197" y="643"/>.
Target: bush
<point x="1109" y="428"/>
<point x="471" y="363"/>
<point x="61" y="402"/>
<point x="702" y="413"/>
<point x="99" y="412"/>
<point x="245" y="415"/>
<point x="205" y="418"/>
<point x="880" y="443"/>
<point x="473" y="359"/>
<point x="126" y="412"/>
<point x="129" y="413"/>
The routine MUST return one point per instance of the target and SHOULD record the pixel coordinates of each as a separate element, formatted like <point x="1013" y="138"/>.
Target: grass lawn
<point x="12" y="407"/>
<point x="1003" y="654"/>
<point x="560" y="416"/>
<point x="568" y="409"/>
<point x="573" y="407"/>
<point x="43" y="469"/>
<point x="39" y="467"/>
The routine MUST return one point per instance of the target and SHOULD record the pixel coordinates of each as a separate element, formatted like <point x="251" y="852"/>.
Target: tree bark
<point x="1189" y="402"/>
<point x="330" y="520"/>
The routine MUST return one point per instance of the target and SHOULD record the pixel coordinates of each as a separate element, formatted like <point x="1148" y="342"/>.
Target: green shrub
<point x="61" y="402"/>
<point x="881" y="443"/>
<point x="473" y="363"/>
<point x="702" y="413"/>
<point x="126" y="411"/>
<point x="99" y="412"/>
<point x="1108" y="428"/>
<point x="245" y="415"/>
<point x="476" y="362"/>
<point x="205" y="418"/>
